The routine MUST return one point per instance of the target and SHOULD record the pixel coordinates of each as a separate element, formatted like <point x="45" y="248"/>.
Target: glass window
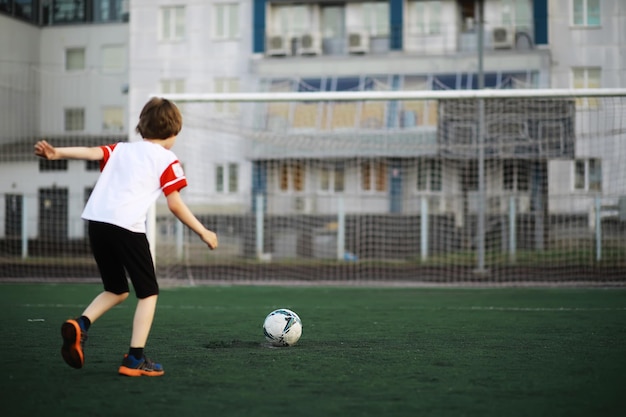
<point x="291" y="176"/>
<point x="290" y="20"/>
<point x="233" y="178"/>
<point x="172" y="23"/>
<point x="595" y="175"/>
<point x="74" y="119"/>
<point x="92" y="166"/>
<point x="109" y="10"/>
<point x="332" y="178"/>
<point x="425" y="17"/>
<point x="172" y="86"/>
<point x="226" y="85"/>
<point x="374" y="176"/>
<point x="579" y="175"/>
<point x="219" y="178"/>
<point x="428" y="175"/>
<point x="65" y="11"/>
<point x="47" y="165"/>
<point x="113" y="58"/>
<point x="113" y="119"/>
<point x="586" y="12"/>
<point x="587" y="78"/>
<point x="376" y="17"/>
<point x="24" y="9"/>
<point x="75" y="59"/>
<point x="226" y="21"/>
<point x="516" y="175"/>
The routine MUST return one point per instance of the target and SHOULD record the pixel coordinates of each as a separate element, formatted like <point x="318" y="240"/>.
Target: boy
<point x="132" y="178"/>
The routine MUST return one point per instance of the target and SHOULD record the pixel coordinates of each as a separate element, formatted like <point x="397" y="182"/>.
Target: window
<point x="586" y="12"/>
<point x="376" y="17"/>
<point x="74" y="119"/>
<point x="68" y="11"/>
<point x="428" y="175"/>
<point x="24" y="9"/>
<point x="92" y="166"/>
<point x="75" y="59"/>
<point x="291" y="176"/>
<point x="227" y="178"/>
<point x="226" y="85"/>
<point x="109" y="10"/>
<point x="47" y="165"/>
<point x="588" y="174"/>
<point x="113" y="119"/>
<point x="172" y="23"/>
<point x="586" y="78"/>
<point x="113" y="58"/>
<point x="374" y="176"/>
<point x="226" y="21"/>
<point x="292" y="20"/>
<point x="172" y="86"/>
<point x="424" y="17"/>
<point x="516" y="175"/>
<point x="332" y="178"/>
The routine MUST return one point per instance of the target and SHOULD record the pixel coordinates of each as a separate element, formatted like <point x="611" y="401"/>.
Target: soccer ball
<point x="282" y="327"/>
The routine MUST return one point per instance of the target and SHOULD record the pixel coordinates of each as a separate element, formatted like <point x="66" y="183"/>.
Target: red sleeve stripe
<point x="176" y="185"/>
<point x="173" y="178"/>
<point x="107" y="150"/>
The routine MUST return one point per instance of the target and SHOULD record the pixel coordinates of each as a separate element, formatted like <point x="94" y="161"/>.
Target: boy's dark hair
<point x="159" y="119"/>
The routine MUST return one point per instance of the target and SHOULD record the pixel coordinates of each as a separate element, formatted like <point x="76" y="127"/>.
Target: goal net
<point x="486" y="186"/>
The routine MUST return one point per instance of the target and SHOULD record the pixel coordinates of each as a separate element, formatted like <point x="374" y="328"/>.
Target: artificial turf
<point x="363" y="352"/>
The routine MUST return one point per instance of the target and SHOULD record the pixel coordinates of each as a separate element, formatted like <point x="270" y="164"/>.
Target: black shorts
<point x="117" y="251"/>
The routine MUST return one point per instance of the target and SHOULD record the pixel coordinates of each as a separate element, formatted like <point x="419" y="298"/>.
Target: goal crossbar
<point x="392" y="95"/>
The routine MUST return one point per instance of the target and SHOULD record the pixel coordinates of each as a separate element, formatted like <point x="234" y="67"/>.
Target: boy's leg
<point x="140" y="266"/>
<point x="142" y="322"/>
<point x="135" y="363"/>
<point x="102" y="303"/>
<point x="103" y="239"/>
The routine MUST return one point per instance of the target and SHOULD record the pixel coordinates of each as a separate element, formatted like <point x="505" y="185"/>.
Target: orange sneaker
<point x="73" y="343"/>
<point x="140" y="367"/>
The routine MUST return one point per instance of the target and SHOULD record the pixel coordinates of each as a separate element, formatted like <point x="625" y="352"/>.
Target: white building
<point x="84" y="69"/>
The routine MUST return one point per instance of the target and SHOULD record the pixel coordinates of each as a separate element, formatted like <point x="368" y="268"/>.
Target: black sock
<point x="136" y="352"/>
<point x="86" y="323"/>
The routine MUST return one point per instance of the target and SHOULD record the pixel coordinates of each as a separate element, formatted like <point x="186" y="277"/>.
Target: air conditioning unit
<point x="278" y="45"/>
<point x="310" y="44"/>
<point x="503" y="38"/>
<point x="358" y="43"/>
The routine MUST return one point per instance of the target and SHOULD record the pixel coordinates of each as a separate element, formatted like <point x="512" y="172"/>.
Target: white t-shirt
<point x="133" y="176"/>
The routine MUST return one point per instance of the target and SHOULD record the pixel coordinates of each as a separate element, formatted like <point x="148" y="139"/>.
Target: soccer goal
<point x="489" y="186"/>
<point x="447" y="186"/>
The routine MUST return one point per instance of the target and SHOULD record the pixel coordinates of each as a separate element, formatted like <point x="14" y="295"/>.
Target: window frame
<point x="374" y="176"/>
<point x="223" y="13"/>
<point x="69" y="66"/>
<point x="172" y="26"/>
<point x="590" y="181"/>
<point x="585" y="17"/>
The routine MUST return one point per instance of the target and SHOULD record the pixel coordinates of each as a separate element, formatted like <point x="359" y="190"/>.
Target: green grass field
<point x="364" y="352"/>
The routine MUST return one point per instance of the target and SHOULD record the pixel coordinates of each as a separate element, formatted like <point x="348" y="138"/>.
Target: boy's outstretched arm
<point x="178" y="207"/>
<point x="44" y="150"/>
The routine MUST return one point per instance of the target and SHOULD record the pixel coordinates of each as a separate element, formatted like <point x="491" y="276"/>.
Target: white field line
<point x="460" y="308"/>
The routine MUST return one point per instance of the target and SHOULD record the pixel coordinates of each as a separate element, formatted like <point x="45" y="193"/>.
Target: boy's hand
<point x="44" y="150"/>
<point x="210" y="238"/>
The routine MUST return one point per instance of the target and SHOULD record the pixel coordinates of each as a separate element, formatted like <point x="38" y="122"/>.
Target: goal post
<point x="389" y="181"/>
<point x="362" y="186"/>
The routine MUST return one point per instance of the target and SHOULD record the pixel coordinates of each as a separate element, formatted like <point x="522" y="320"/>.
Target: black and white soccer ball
<point x="282" y="327"/>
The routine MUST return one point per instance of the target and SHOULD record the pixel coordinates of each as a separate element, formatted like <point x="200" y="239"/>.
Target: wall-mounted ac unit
<point x="310" y="44"/>
<point x="503" y="38"/>
<point x="278" y="45"/>
<point x="358" y="43"/>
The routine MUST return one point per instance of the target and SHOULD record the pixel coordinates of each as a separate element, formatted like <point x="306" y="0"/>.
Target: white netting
<point x="436" y="186"/>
